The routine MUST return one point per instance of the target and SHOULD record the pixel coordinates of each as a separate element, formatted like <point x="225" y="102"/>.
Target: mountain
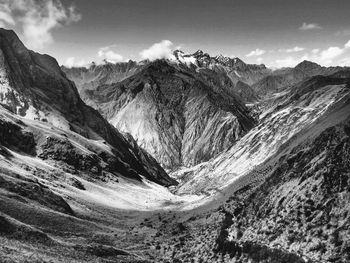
<point x="230" y="70"/>
<point x="144" y="100"/>
<point x="281" y="192"/>
<point x="66" y="130"/>
<point x="282" y="78"/>
<point x="96" y="75"/>
<point x="235" y="68"/>
<point x="246" y="92"/>
<point x="269" y="188"/>
<point x="283" y="117"/>
<point x="175" y="114"/>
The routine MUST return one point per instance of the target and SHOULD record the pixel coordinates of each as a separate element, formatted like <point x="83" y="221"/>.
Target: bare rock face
<point x="34" y="87"/>
<point x="174" y="113"/>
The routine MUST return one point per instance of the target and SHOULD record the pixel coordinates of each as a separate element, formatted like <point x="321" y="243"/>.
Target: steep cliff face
<point x="173" y="113"/>
<point x="34" y="87"/>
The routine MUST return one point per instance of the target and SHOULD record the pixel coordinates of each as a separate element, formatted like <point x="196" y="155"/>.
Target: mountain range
<point x="194" y="158"/>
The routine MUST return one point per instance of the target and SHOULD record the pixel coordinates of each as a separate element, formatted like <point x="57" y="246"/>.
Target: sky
<point x="278" y="33"/>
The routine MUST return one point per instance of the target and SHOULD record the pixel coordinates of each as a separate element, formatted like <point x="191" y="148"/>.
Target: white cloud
<point x="292" y="50"/>
<point x="109" y="55"/>
<point x="326" y="57"/>
<point x="347" y="45"/>
<point x="259" y="60"/>
<point x="288" y="62"/>
<point x="345" y="62"/>
<point x="5" y="15"/>
<point x="36" y="19"/>
<point x="163" y="49"/>
<point x="311" y="26"/>
<point x="256" y="52"/>
<point x="72" y="62"/>
<point x="344" y="32"/>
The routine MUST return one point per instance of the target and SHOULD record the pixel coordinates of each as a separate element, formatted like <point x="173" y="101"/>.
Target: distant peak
<point x="199" y="53"/>
<point x="237" y="60"/>
<point x="307" y="64"/>
<point x="178" y="53"/>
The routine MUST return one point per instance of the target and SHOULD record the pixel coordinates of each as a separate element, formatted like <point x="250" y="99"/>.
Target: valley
<point x="189" y="159"/>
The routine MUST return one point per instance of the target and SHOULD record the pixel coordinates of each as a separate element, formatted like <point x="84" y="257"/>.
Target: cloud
<point x="345" y="61"/>
<point x="330" y="55"/>
<point x="259" y="60"/>
<point x="256" y="52"/>
<point x="292" y="50"/>
<point x="288" y="62"/>
<point x="344" y="32"/>
<point x="326" y="57"/>
<point x="36" y="19"/>
<point x="347" y="45"/>
<point x="5" y="15"/>
<point x="109" y="55"/>
<point x="162" y="49"/>
<point x="311" y="26"/>
<point x="72" y="62"/>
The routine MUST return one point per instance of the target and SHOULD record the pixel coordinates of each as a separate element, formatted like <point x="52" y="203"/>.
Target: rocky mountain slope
<point x="284" y="115"/>
<point x="288" y="205"/>
<point x="173" y="113"/>
<point x="144" y="112"/>
<point x="95" y="75"/>
<point x="174" y="107"/>
<point x="34" y="87"/>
